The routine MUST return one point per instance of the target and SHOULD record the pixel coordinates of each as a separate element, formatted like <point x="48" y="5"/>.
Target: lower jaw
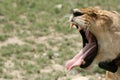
<point x="89" y="58"/>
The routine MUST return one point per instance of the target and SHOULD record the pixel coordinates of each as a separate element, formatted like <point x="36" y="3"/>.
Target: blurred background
<point x="35" y="39"/>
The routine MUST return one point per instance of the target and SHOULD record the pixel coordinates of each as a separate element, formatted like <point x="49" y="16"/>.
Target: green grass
<point x="14" y="50"/>
<point x="3" y="37"/>
<point x="44" y="28"/>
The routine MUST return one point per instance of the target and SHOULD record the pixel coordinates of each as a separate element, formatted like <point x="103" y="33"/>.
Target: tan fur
<point x="105" y="25"/>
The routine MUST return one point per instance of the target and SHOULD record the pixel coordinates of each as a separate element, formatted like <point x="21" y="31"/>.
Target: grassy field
<point x="35" y="39"/>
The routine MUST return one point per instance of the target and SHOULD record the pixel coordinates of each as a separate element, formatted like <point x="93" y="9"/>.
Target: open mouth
<point x="89" y="51"/>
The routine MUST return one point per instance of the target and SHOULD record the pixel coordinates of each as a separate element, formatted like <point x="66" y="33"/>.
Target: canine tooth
<point x="71" y="25"/>
<point x="74" y="26"/>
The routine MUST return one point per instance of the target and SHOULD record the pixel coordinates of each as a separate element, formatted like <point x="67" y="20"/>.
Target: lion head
<point x="104" y="27"/>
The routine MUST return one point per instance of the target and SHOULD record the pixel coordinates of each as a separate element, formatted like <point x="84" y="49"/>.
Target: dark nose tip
<point x="76" y="12"/>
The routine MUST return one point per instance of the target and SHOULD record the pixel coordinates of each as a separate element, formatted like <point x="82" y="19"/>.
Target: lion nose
<point x="76" y="12"/>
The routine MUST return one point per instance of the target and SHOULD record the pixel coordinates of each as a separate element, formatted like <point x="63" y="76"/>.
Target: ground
<point x="36" y="42"/>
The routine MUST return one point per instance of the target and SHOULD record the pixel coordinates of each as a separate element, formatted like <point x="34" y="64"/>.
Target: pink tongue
<point x="79" y="58"/>
<point x="74" y="62"/>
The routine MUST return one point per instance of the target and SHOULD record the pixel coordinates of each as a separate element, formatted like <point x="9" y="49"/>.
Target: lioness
<point x="100" y="30"/>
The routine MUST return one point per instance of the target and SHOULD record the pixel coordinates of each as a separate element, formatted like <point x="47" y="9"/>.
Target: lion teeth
<point x="72" y="25"/>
